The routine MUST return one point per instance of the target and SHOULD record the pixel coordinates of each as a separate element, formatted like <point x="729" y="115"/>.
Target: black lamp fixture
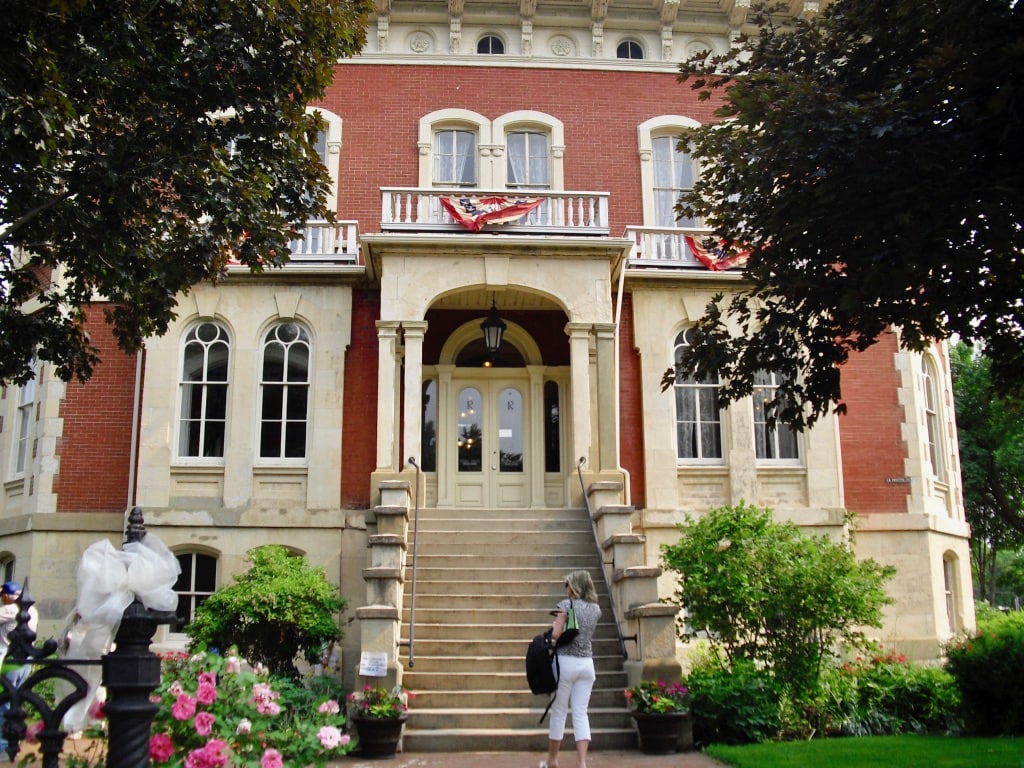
<point x="494" y="329"/>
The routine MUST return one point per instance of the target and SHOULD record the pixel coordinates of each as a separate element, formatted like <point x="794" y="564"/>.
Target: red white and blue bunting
<point x="473" y="212"/>
<point x="715" y="253"/>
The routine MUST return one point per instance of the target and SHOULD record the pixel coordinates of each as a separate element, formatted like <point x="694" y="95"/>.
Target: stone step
<point x="500" y="647"/>
<point x="544" y="603"/>
<point x="474" y="526"/>
<point x="609" y="697"/>
<point x="431" y="514"/>
<point x="506" y="543"/>
<point x="533" y="739"/>
<point x="496" y="665"/>
<point x="515" y="718"/>
<point x="417" y="680"/>
<point x="559" y="563"/>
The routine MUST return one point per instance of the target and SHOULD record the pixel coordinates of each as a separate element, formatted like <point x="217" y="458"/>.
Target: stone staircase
<point x="486" y="582"/>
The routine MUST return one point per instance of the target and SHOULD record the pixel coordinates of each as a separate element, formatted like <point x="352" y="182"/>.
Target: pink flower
<point x="330" y="707"/>
<point x="208" y="678"/>
<point x="176" y="688"/>
<point x="204" y="723"/>
<point x="32" y="732"/>
<point x="184" y="707"/>
<point x="271" y="759"/>
<point x="96" y="710"/>
<point x="268" y="708"/>
<point x="213" y="755"/>
<point x="207" y="693"/>
<point x="161" y="748"/>
<point x="330" y="737"/>
<point x="244" y="727"/>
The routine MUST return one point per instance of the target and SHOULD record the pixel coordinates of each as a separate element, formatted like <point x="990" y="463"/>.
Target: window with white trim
<point x="772" y="442"/>
<point x="698" y="411"/>
<point x="932" y="417"/>
<point x="629" y="49"/>
<point x="455" y="158"/>
<point x="529" y="160"/>
<point x="675" y="171"/>
<point x="196" y="582"/>
<point x="26" y="410"/>
<point x="284" y="392"/>
<point x="202" y="422"/>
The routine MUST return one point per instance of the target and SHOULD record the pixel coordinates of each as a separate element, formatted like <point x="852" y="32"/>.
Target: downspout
<point x="134" y="451"/>
<point x="618" y="424"/>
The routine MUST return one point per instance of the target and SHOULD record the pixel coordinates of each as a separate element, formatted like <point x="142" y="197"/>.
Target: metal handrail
<point x="415" y="542"/>
<point x="597" y="545"/>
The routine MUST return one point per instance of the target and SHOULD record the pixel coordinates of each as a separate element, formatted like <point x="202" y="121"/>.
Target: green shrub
<point x="738" y="704"/>
<point x="989" y="671"/>
<point x="884" y="694"/>
<point x="281" y="608"/>
<point x="766" y="592"/>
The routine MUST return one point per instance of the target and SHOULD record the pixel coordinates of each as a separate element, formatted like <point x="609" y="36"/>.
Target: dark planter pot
<point x="662" y="733"/>
<point x="379" y="737"/>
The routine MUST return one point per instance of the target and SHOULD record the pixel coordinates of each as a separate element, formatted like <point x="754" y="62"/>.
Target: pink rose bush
<point x="216" y="711"/>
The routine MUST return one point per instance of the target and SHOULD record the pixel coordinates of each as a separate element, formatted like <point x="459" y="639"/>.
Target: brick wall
<point x="95" y="446"/>
<point x="631" y="406"/>
<point x="359" y="414"/>
<point x="873" y="448"/>
<point x="381" y="107"/>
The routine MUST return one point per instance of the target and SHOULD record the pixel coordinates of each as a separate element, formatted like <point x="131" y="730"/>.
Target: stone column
<point x="413" y="430"/>
<point x="607" y="402"/>
<point x="579" y="361"/>
<point x="387" y="335"/>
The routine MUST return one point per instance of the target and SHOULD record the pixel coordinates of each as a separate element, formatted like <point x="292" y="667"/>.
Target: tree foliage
<point x="144" y="145"/>
<point x="991" y="434"/>
<point x="765" y="592"/>
<point x="281" y="608"/>
<point x="872" y="156"/>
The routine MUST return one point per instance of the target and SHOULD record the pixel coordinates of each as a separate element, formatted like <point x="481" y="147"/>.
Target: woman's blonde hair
<point x="582" y="585"/>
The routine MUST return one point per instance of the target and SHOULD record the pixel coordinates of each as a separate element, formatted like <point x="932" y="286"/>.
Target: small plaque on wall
<point x="373" y="664"/>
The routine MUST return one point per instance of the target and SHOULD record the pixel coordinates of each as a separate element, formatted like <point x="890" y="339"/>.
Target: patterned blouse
<point x="587" y="614"/>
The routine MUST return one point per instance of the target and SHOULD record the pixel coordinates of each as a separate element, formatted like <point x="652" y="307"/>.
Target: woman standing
<point x="576" y="662"/>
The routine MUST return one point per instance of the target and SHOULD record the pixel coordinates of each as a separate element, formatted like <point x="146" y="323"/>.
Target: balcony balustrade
<point x="665" y="247"/>
<point x="414" y="209"/>
<point x="322" y="242"/>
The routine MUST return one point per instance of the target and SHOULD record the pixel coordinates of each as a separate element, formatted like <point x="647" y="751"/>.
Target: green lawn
<point x="875" y="751"/>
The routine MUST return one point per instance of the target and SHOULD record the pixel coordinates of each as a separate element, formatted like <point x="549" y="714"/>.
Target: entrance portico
<point x="564" y="281"/>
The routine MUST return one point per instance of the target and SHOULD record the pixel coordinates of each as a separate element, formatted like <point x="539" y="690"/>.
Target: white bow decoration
<point x="109" y="580"/>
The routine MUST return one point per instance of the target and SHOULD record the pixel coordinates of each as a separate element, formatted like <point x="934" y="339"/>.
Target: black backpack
<point x="540" y="676"/>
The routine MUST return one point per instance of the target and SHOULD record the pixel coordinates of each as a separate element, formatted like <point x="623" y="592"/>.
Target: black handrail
<point x="600" y="552"/>
<point x="415" y="541"/>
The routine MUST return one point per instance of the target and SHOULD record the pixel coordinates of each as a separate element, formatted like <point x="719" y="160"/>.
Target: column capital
<point x="388" y="327"/>
<point x="414" y="327"/>
<point x="604" y="330"/>
<point x="578" y="329"/>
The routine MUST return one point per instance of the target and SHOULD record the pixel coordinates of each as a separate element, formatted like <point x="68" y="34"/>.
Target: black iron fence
<point x="130" y="673"/>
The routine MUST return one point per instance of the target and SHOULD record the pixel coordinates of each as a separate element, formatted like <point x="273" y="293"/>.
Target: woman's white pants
<point x="574" y="687"/>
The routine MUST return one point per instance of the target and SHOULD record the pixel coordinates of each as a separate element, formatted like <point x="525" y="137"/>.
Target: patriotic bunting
<point x="716" y="254"/>
<point x="473" y="212"/>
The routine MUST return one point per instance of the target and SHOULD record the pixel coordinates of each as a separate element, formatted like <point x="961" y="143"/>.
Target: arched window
<point x="284" y="392"/>
<point x="629" y="49"/>
<point x="490" y="44"/>
<point x="529" y="160"/>
<point x="454" y="158"/>
<point x="775" y="441"/>
<point x="196" y="582"/>
<point x="932" y="420"/>
<point x="698" y="413"/>
<point x="203" y="386"/>
<point x="675" y="171"/>
<point x="26" y="408"/>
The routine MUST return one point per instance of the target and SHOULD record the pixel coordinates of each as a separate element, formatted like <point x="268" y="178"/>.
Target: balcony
<point x="321" y="243"/>
<point x="666" y="248"/>
<point x="412" y="209"/>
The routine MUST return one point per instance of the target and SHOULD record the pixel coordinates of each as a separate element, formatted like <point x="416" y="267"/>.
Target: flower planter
<point x="379" y="736"/>
<point x="662" y="733"/>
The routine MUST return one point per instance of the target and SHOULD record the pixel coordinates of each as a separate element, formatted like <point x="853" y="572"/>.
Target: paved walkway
<point x="596" y="759"/>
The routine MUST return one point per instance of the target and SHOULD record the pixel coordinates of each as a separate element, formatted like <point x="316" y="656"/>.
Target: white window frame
<point x="630" y="43"/>
<point x="931" y="406"/>
<point x="491" y="36"/>
<point x="332" y="152"/>
<point x="530" y="121"/>
<point x="203" y="384"/>
<point x="763" y="393"/>
<point x="647" y="132"/>
<point x="454" y="119"/>
<point x="21" y="453"/>
<point x="690" y="388"/>
<point x="288" y="387"/>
